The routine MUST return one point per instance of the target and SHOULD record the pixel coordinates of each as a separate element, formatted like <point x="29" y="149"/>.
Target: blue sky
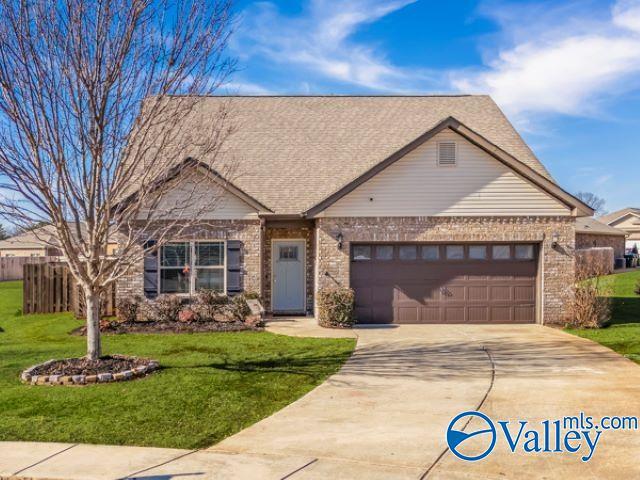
<point x="566" y="73"/>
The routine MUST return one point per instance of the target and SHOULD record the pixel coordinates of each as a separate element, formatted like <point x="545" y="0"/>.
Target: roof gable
<point x="577" y="207"/>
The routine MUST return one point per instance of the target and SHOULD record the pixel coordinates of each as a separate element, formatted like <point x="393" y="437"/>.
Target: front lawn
<point x="623" y="332"/>
<point x="211" y="385"/>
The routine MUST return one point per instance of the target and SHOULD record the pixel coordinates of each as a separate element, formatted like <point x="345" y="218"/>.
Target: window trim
<point x="192" y="278"/>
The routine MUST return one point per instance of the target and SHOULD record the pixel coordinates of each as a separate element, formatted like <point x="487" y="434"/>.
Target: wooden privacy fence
<point x="11" y="267"/>
<point x="50" y="288"/>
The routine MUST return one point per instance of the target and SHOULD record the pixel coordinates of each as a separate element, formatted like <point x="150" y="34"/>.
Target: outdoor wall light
<point x="555" y="238"/>
<point x="339" y="238"/>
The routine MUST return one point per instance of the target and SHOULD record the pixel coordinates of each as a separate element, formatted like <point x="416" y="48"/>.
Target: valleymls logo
<point x="472" y="435"/>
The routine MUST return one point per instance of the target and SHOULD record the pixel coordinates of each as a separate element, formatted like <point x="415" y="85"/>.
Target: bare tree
<point x="94" y="101"/>
<point x="594" y="201"/>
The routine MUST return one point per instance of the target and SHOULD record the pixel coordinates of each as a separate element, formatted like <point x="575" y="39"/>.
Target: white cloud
<point x="244" y="88"/>
<point x="319" y="41"/>
<point x="564" y="67"/>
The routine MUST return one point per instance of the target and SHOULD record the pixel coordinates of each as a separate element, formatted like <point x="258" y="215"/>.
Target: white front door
<point x="288" y="260"/>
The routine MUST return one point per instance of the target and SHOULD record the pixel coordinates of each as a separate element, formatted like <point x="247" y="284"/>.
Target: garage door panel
<point x="524" y="293"/>
<point x="478" y="293"/>
<point x="444" y="291"/>
<point x="430" y="314"/>
<point x="500" y="292"/>
<point x="478" y="314"/>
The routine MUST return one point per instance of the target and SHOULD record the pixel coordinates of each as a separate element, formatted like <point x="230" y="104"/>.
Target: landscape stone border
<point x="140" y="371"/>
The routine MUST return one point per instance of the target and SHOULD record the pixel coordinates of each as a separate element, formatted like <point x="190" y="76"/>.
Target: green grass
<point x="211" y="385"/>
<point x="622" y="334"/>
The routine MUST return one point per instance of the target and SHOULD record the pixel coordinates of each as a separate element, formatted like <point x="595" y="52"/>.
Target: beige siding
<point x="479" y="185"/>
<point x="204" y="200"/>
<point x="629" y="223"/>
<point x="23" y="252"/>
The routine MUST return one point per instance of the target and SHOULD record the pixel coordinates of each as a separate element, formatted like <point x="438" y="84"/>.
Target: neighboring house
<point x="39" y="242"/>
<point x="432" y="208"/>
<point x="593" y="233"/>
<point x="627" y="219"/>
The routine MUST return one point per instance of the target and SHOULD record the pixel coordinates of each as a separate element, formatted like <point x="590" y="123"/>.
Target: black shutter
<point x="150" y="271"/>
<point x="234" y="267"/>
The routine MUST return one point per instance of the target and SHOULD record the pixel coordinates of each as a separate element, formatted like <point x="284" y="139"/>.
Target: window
<point x="446" y="154"/>
<point x="501" y="252"/>
<point x="384" y="252"/>
<point x="362" y="252"/>
<point x="430" y="252"/>
<point x="408" y="252"/>
<point x="455" y="252"/>
<point x="478" y="252"/>
<point x="289" y="252"/>
<point x="524" y="252"/>
<point x="186" y="267"/>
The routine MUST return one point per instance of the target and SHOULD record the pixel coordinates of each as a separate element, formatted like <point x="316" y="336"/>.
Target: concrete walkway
<point x="385" y="414"/>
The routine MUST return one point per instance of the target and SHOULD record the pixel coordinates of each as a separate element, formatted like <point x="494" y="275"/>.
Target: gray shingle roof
<point x="613" y="216"/>
<point x="593" y="226"/>
<point x="293" y="152"/>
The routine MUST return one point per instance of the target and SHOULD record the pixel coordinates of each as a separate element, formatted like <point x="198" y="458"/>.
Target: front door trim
<point x="303" y="243"/>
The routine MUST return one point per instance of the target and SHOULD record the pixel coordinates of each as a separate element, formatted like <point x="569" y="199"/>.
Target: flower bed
<point x="83" y="371"/>
<point x="208" y="311"/>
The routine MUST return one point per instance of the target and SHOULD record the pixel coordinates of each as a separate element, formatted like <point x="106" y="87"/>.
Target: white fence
<point x="11" y="267"/>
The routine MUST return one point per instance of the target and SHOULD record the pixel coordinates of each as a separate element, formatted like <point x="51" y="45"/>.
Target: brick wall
<point x="247" y="231"/>
<point x="589" y="240"/>
<point x="558" y="262"/>
<point x="287" y="231"/>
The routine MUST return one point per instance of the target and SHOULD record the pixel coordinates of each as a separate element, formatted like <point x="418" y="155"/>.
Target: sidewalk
<point x="103" y="462"/>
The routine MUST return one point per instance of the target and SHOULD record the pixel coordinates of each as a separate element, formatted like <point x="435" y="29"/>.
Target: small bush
<point x="165" y="308"/>
<point x="127" y="309"/>
<point x="239" y="308"/>
<point x="210" y="305"/>
<point x="336" y="307"/>
<point x="591" y="307"/>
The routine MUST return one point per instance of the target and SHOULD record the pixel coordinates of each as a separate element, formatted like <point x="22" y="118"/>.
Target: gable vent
<point x="446" y="153"/>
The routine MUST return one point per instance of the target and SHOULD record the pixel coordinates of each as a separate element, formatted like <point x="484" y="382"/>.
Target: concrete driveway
<point x="385" y="414"/>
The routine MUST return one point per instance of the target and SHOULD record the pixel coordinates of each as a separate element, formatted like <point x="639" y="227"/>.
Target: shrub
<point x="210" y="304"/>
<point x="336" y="307"/>
<point x="239" y="308"/>
<point x="591" y="307"/>
<point x="127" y="309"/>
<point x="165" y="308"/>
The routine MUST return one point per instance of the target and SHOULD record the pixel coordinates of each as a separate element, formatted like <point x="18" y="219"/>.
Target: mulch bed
<point x="84" y="366"/>
<point x="170" y="327"/>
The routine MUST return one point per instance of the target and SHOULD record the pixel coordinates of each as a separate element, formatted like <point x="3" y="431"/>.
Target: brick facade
<point x="589" y="240"/>
<point x="246" y="231"/>
<point x="283" y="231"/>
<point x="329" y="265"/>
<point x="558" y="262"/>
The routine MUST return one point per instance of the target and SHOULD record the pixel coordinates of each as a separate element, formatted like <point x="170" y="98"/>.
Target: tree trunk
<point x="92" y="311"/>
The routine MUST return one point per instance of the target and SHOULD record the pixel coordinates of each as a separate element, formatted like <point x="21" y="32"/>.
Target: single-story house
<point x="39" y="242"/>
<point x="627" y="219"/>
<point x="592" y="233"/>
<point x="432" y="208"/>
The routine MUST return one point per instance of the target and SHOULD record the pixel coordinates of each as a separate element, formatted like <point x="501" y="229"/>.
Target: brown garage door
<point x="453" y="283"/>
